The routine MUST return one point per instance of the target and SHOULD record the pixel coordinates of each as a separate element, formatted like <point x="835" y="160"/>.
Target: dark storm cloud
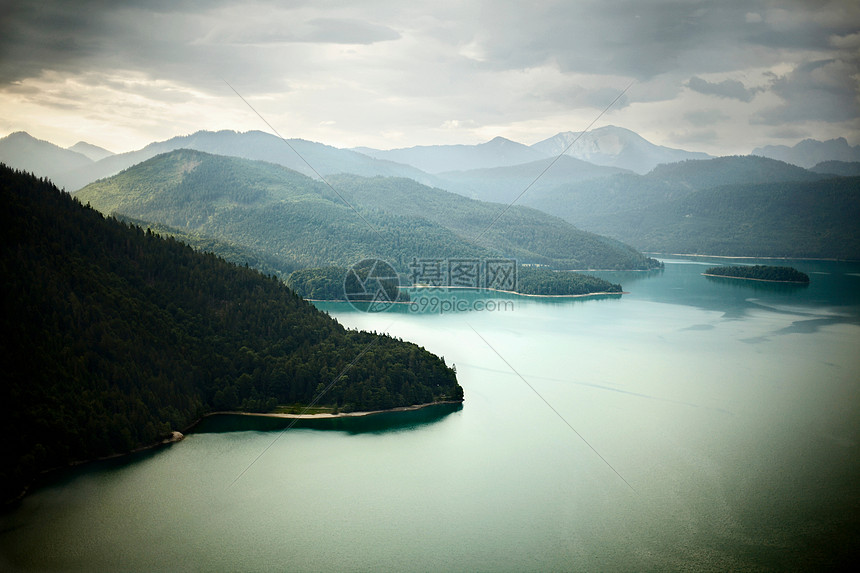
<point x="401" y="69"/>
<point x="824" y="90"/>
<point x="164" y="39"/>
<point x="727" y="88"/>
<point x="631" y="38"/>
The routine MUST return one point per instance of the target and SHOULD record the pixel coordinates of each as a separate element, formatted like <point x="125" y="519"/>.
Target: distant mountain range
<point x="22" y="151"/>
<point x="809" y="152"/>
<point x="453" y="167"/>
<point x="292" y="221"/>
<point x="607" y="182"/>
<point x="608" y="146"/>
<point x="734" y="206"/>
<point x="498" y="152"/>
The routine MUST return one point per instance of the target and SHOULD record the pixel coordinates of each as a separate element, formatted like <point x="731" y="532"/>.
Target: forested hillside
<point x="793" y="220"/>
<point x="304" y="223"/>
<point x="740" y="206"/>
<point x="113" y="336"/>
<point x="526" y="234"/>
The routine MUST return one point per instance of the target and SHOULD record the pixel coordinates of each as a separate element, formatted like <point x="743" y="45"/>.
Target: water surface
<point x="730" y="407"/>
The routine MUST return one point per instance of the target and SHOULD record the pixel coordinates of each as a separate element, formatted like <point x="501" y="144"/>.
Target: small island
<point x="760" y="273"/>
<point x="546" y="282"/>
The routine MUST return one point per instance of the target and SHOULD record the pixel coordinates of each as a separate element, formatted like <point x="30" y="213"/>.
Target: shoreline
<point x="484" y="289"/>
<point x="559" y="295"/>
<point x="177" y="436"/>
<point x="752" y="257"/>
<point x="753" y="279"/>
<point x="329" y="415"/>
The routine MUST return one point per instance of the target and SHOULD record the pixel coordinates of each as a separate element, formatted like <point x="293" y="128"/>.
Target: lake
<point x="693" y="423"/>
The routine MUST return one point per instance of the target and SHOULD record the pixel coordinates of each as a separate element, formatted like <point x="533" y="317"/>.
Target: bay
<point x="692" y="423"/>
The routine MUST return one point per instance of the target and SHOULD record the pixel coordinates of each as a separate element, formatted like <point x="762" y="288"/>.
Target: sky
<point x="716" y="76"/>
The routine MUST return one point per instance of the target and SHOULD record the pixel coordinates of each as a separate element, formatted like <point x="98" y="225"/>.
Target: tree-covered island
<point x="547" y="282"/>
<point x="760" y="273"/>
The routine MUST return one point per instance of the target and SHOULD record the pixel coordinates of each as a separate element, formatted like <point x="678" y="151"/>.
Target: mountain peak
<point x="613" y="146"/>
<point x="20" y="136"/>
<point x="94" y="152"/>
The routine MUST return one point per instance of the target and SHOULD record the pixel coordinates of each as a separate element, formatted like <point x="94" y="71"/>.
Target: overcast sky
<point x="715" y="76"/>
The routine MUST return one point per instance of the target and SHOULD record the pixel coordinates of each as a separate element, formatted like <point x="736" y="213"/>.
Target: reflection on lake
<point x="732" y="409"/>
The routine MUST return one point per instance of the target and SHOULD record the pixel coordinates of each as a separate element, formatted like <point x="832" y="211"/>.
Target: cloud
<point x="823" y="90"/>
<point x="732" y="89"/>
<point x="348" y="31"/>
<point x="705" y="117"/>
<point x="361" y="71"/>
<point x="269" y="28"/>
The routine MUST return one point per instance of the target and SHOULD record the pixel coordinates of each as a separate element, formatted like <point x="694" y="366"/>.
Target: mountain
<point x="810" y="152"/>
<point x="793" y="220"/>
<point x="111" y="337"/>
<point x="736" y="169"/>
<point x="94" y="152"/>
<point x="304" y="223"/>
<point x="439" y="158"/>
<point x="505" y="184"/>
<point x="744" y="206"/>
<point x="843" y="168"/>
<point x="326" y="160"/>
<point x="528" y="235"/>
<point x="23" y="151"/>
<point x="581" y="203"/>
<point x="614" y="147"/>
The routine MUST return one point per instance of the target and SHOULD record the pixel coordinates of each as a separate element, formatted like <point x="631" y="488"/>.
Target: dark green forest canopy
<point x="112" y="336"/>
<point x="303" y="223"/>
<point x="760" y="272"/>
<point x="541" y="281"/>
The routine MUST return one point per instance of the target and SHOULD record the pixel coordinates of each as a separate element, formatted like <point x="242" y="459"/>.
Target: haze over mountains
<point x="608" y="146"/>
<point x="294" y="222"/>
<point x="610" y="181"/>
<point x="732" y="206"/>
<point x="809" y="152"/>
<point x="612" y="146"/>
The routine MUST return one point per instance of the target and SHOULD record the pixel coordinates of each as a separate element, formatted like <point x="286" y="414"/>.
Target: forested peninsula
<point x="113" y="336"/>
<point x="760" y="273"/>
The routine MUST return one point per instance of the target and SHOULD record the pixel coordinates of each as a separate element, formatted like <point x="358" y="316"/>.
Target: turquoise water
<point x="729" y="407"/>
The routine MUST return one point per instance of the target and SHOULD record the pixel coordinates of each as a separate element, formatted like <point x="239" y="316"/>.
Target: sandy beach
<point x="340" y="414"/>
